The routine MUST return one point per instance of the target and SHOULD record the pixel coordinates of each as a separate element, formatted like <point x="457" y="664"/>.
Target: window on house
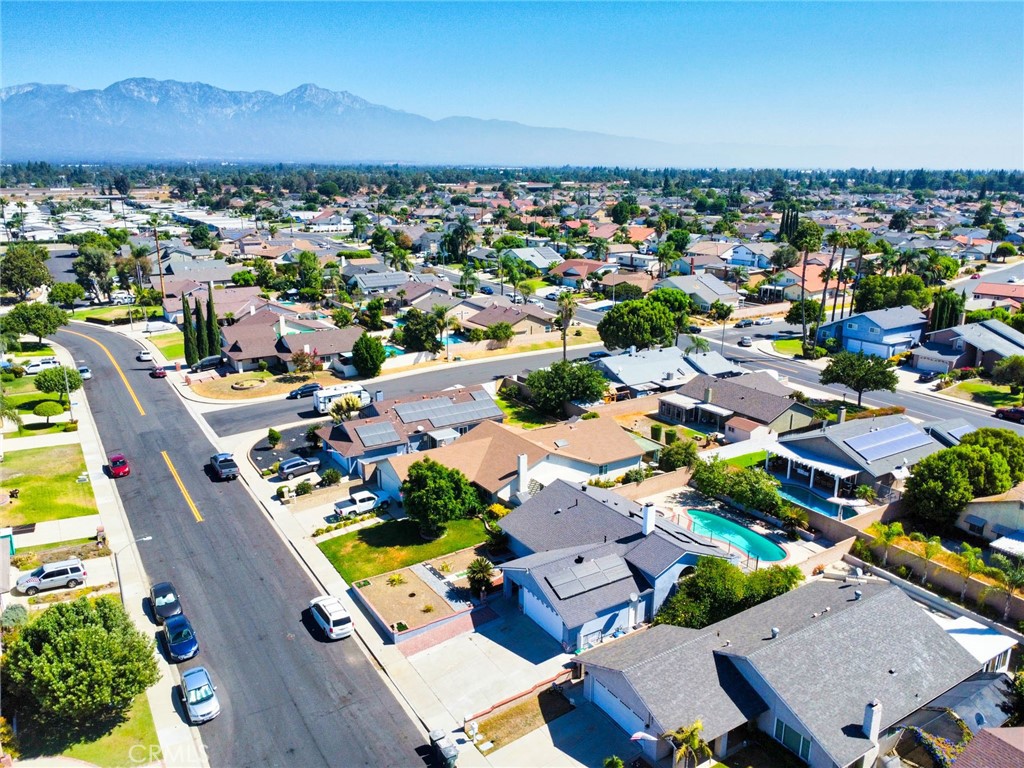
<point x="851" y="326"/>
<point x="792" y="739"/>
<point x="976" y="529"/>
<point x="603" y="469"/>
<point x="873" y="330"/>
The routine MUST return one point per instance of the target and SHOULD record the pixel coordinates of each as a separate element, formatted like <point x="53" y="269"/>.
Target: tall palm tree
<point x="808" y="235"/>
<point x="566" y="312"/>
<point x="886" y="535"/>
<point x="666" y="254"/>
<point x="445" y="324"/>
<point x="3" y="212"/>
<point x="1012" y="578"/>
<point x="739" y="275"/>
<point x="599" y="248"/>
<point x="461" y="238"/>
<point x="398" y="259"/>
<point x="971" y="563"/>
<point x="468" y="281"/>
<point x="837" y="240"/>
<point x="932" y="547"/>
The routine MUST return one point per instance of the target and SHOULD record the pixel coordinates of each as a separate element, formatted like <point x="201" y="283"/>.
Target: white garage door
<point x="879" y="350"/>
<point x="543" y="615"/>
<point x="627" y="719"/>
<point x="924" y="364"/>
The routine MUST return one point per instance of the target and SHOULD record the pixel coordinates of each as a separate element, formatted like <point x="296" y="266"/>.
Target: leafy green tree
<point x="800" y="309"/>
<point x="882" y="292"/>
<point x="947" y="308"/>
<point x="201" y="237"/>
<point x="342" y="317"/>
<point x="1004" y="251"/>
<point x="9" y="412"/>
<point x="273" y="437"/>
<point x="202" y="340"/>
<point x="885" y="535"/>
<point x="625" y="210"/>
<point x="434" y="495"/>
<point x="243" y="278"/>
<point x="48" y="409"/>
<point x="65" y="294"/>
<point x="677" y="302"/>
<point x="343" y="408"/>
<point x="22" y="269"/>
<point x="564" y="382"/>
<point x="420" y="332"/>
<point x="943" y="483"/>
<point x="80" y="662"/>
<point x="1010" y="371"/>
<point x="93" y="267"/>
<point x="900" y="221"/>
<point x="983" y="215"/>
<point x="613" y="761"/>
<point x="681" y="453"/>
<point x="34" y="319"/>
<point x="637" y="323"/>
<point x="784" y="257"/>
<point x="58" y="381"/>
<point x="500" y="332"/>
<point x="212" y="329"/>
<point x="1004" y="442"/>
<point x="480" y="574"/>
<point x="861" y="373"/>
<point x="460" y="238"/>
<point x="373" y="318"/>
<point x="368" y="355"/>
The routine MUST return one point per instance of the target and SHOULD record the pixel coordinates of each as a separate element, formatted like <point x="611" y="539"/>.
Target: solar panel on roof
<point x="562" y="577"/>
<point x="377" y="434"/>
<point x="587" y="576"/>
<point x="888" y="442"/>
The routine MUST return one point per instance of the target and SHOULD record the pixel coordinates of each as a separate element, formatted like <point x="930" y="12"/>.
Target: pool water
<point x="391" y="350"/>
<point x="722" y="530"/>
<point x="804" y="497"/>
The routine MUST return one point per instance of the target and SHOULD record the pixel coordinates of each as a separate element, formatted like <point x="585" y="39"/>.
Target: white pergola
<point x="814" y="464"/>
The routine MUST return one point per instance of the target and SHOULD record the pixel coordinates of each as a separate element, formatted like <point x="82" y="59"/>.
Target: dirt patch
<point x="223" y="387"/>
<point x="405" y="602"/>
<point x="458" y="562"/>
<point x="524" y="716"/>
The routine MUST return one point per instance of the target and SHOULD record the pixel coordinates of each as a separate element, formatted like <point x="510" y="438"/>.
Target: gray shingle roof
<point x="992" y="336"/>
<point x="666" y="366"/>
<point x="894" y="317"/>
<point x="742" y="400"/>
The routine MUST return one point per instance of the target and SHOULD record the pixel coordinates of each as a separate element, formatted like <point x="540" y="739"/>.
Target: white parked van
<point x="121" y="297"/>
<point x="323" y="398"/>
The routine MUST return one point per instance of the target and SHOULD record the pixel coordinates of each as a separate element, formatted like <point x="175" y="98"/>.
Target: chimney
<point x="343" y="262"/>
<point x="632" y="350"/>
<point x="650" y="519"/>
<point x="872" y="720"/>
<point x="305" y="348"/>
<point x="522" y="473"/>
<point x="708" y="392"/>
<point x="842" y="415"/>
<point x="378" y="396"/>
<point x="280" y="326"/>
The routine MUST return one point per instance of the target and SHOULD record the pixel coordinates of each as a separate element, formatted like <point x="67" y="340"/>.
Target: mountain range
<point x="143" y="119"/>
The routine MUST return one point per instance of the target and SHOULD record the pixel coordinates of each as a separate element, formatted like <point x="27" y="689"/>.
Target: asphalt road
<point x="288" y="698"/>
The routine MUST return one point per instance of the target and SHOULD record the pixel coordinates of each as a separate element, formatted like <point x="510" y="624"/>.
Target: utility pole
<point x="159" y="266"/>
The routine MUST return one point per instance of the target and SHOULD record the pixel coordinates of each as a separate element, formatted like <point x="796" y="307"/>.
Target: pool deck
<point x="674" y="505"/>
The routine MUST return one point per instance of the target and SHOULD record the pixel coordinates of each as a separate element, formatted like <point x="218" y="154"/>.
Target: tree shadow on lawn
<point x="44" y="737"/>
<point x="396" y="533"/>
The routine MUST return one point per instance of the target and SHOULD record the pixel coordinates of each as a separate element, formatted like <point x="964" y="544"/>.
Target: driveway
<point x="584" y="737"/>
<point x="502" y="658"/>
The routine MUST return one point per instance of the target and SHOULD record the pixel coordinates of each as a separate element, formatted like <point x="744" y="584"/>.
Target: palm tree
<point x="479" y="573"/>
<point x="3" y="212"/>
<point x="599" y="248"/>
<point x="460" y="238"/>
<point x="808" y="235"/>
<point x="932" y="547"/>
<point x="720" y="311"/>
<point x="445" y="324"/>
<point x="687" y="742"/>
<point x="1012" y="578"/>
<point x="398" y="259"/>
<point x="739" y="275"/>
<point x="666" y="254"/>
<point x="9" y="412"/>
<point x="566" y="312"/>
<point x="837" y="240"/>
<point x="886" y="535"/>
<point x="972" y="563"/>
<point x="697" y="344"/>
<point x="468" y="281"/>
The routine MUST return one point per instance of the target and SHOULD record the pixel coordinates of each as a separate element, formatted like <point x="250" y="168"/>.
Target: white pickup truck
<point x="359" y="503"/>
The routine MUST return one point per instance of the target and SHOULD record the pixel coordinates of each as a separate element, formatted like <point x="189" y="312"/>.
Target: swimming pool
<point x="392" y="351"/>
<point x="804" y="497"/>
<point x="722" y="530"/>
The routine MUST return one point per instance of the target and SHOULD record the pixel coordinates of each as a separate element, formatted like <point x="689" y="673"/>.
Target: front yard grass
<point x="26" y="403"/>
<point x="519" y="414"/>
<point x="791" y="347"/>
<point x="47" y="479"/>
<point x="128" y="743"/>
<point x="282" y="384"/>
<point x="118" y="312"/>
<point x="985" y="392"/>
<point x="34" y="349"/>
<point x="393" y="545"/>
<point x="523" y="718"/>
<point x="755" y="459"/>
<point x="171" y="345"/>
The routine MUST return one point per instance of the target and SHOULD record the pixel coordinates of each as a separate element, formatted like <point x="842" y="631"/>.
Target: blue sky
<point x="934" y="84"/>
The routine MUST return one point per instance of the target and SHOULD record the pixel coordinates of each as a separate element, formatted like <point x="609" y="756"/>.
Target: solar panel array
<point x="380" y="433"/>
<point x="442" y="412"/>
<point x="889" y="441"/>
<point x="587" y="576"/>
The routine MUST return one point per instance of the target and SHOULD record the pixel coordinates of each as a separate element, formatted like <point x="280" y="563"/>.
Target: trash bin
<point x="445" y="753"/>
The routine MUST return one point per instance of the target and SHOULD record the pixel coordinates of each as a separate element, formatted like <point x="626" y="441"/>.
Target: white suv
<point x="329" y="612"/>
<point x="38" y="366"/>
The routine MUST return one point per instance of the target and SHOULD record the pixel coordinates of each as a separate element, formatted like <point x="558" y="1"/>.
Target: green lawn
<point x="33" y="349"/>
<point x="397" y="544"/>
<point x="31" y="430"/>
<point x="113" y="313"/>
<point x="47" y="478"/>
<point x="26" y="403"/>
<point x="755" y="459"/>
<point x="20" y="386"/>
<point x="981" y="391"/>
<point x="522" y="415"/>
<point x="172" y="344"/>
<point x="132" y="742"/>
<point x="791" y="347"/>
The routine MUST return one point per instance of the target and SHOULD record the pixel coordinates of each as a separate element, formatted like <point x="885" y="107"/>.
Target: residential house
<point x="794" y="287"/>
<point x="408" y="424"/>
<point x="826" y="670"/>
<point x="720" y="249"/>
<point x="973" y="345"/>
<point x="372" y="283"/>
<point x="837" y="458"/>
<point x="543" y="257"/>
<point x="422" y="295"/>
<point x="994" y="748"/>
<point x="979" y="251"/>
<point x="998" y="519"/>
<point x="265" y="335"/>
<point x="642" y="280"/>
<point x="525" y="319"/>
<point x="626" y="255"/>
<point x="694" y="265"/>
<point x="949" y="431"/>
<point x="753" y="255"/>
<point x="649" y="371"/>
<point x="592" y="565"/>
<point x="756" y="397"/>
<point x="574" y="272"/>
<point x="999" y="291"/>
<point x="881" y="332"/>
<point x="703" y="290"/>
<point x="229" y="303"/>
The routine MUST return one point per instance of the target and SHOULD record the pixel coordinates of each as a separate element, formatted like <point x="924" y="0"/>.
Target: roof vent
<point x="579" y="560"/>
<point x="827" y="609"/>
<point x="857" y="594"/>
<point x="558" y="511"/>
<point x="775" y="632"/>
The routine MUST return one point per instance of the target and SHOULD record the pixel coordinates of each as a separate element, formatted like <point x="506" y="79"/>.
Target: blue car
<point x="180" y="638"/>
<point x="487" y="290"/>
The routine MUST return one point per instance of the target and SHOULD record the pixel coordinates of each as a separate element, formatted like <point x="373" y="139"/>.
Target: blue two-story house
<point x="881" y="332"/>
<point x="592" y="564"/>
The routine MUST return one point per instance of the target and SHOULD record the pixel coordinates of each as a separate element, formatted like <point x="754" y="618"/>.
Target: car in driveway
<point x="1011" y="414"/>
<point x="744" y="323"/>
<point x="928" y="376"/>
<point x="65" y="573"/>
<point x="746" y="341"/>
<point x="306" y="390"/>
<point x="85" y="372"/>
<point x="199" y="696"/>
<point x="359" y="503"/>
<point x="763" y="321"/>
<point x="38" y="366"/>
<point x="223" y="466"/>
<point x="180" y="638"/>
<point x="290" y="468"/>
<point x="163" y="599"/>
<point x="330" y="615"/>
<point x="144" y="356"/>
<point x="118" y="464"/>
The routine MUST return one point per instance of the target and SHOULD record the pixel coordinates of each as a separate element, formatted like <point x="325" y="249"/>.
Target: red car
<point x="975" y="276"/>
<point x="118" y="464"/>
<point x="1011" y="414"/>
<point x="158" y="373"/>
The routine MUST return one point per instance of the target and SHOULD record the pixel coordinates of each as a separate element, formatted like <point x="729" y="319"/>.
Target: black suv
<point x="306" y="390"/>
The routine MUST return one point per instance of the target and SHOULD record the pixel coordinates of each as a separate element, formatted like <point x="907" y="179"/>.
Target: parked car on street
<point x="223" y="466"/>
<point x="330" y="615"/>
<point x="306" y="390"/>
<point x="289" y="468"/>
<point x="65" y="573"/>
<point x="180" y="638"/>
<point x="694" y="329"/>
<point x="598" y="354"/>
<point x="158" y="373"/>
<point x="119" y="466"/>
<point x="85" y="372"/>
<point x="163" y="599"/>
<point x="199" y="696"/>
<point x="486" y="290"/>
<point x="1010" y="414"/>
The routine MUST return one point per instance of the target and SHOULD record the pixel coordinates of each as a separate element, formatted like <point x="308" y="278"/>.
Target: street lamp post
<point x="67" y="389"/>
<point x="117" y="565"/>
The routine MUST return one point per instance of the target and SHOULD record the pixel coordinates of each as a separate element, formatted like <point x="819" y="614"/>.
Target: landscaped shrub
<point x="6" y="377"/>
<point x="13" y="616"/>
<point x="273" y="437"/>
<point x="282" y="491"/>
<point x="330" y="476"/>
<point x="590" y="415"/>
<point x="396" y="579"/>
<point x="636" y="475"/>
<point x="71" y="426"/>
<point x="670" y="436"/>
<point x="262" y="366"/>
<point x="656" y="432"/>
<point x="304" y="488"/>
<point x="681" y="453"/>
<point x="18" y="371"/>
<point x="861" y="551"/>
<point x="871" y="413"/>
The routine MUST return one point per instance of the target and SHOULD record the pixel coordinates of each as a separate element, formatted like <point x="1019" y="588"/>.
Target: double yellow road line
<point x="181" y="487"/>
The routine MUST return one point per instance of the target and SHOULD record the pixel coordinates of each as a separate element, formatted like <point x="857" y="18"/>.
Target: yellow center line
<point x="181" y="487"/>
<point x="117" y="368"/>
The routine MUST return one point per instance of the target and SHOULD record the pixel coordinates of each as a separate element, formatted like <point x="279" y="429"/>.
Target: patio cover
<point x="715" y="409"/>
<point x="674" y="398"/>
<point x="1011" y="545"/>
<point x="817" y="463"/>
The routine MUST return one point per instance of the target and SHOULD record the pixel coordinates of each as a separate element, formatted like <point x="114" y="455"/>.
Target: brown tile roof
<point x="596" y="441"/>
<point x="511" y="314"/>
<point x="581" y="267"/>
<point x="994" y="748"/>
